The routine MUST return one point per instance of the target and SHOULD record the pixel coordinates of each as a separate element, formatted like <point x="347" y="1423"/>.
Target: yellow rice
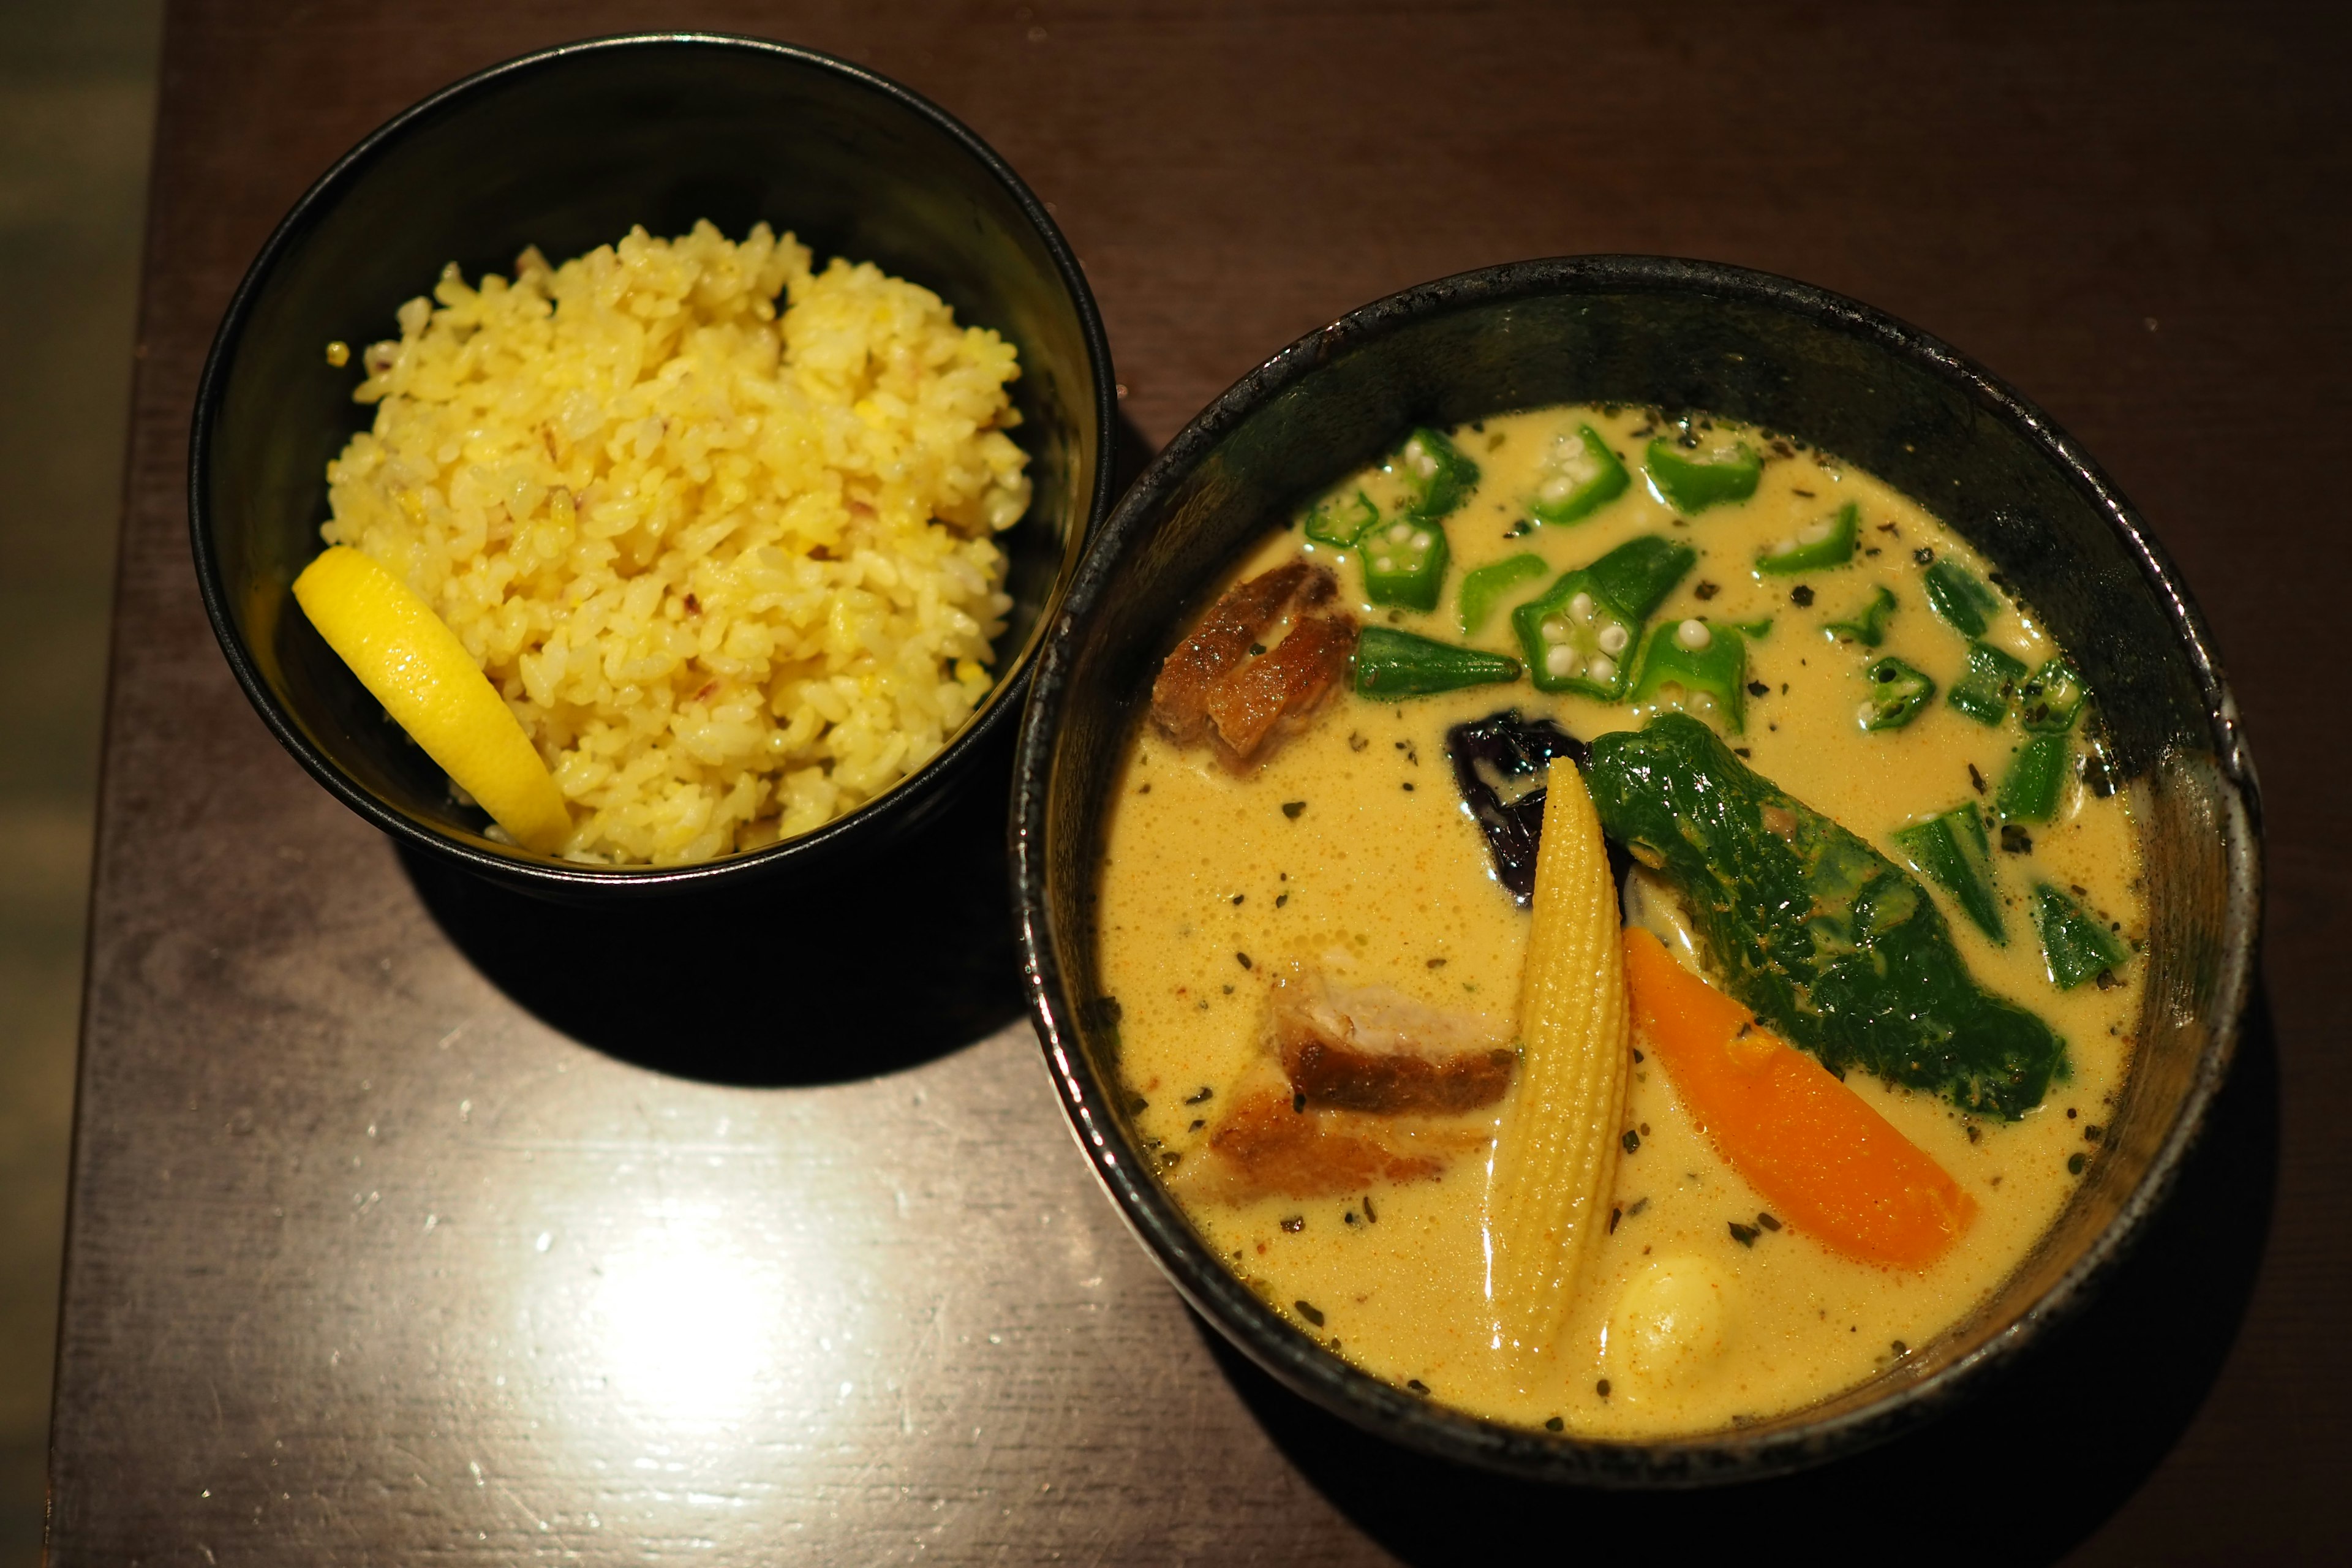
<point x="731" y="566"/>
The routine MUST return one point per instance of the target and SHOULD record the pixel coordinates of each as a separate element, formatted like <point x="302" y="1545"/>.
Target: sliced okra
<point x="1897" y="692"/>
<point x="2075" y="944"/>
<point x="1580" y="475"/>
<point x="2052" y="698"/>
<point x="1577" y="637"/>
<point x="1699" y="668"/>
<point x="1814" y="547"/>
<point x="1340" y="521"/>
<point x="1988" y="685"/>
<point x="1868" y="628"/>
<point x="1960" y="598"/>
<point x="1952" y="850"/>
<point x="1433" y="472"/>
<point x="1692" y="483"/>
<point x="1482" y="589"/>
<point x="1404" y="562"/>
<point x="2029" y="788"/>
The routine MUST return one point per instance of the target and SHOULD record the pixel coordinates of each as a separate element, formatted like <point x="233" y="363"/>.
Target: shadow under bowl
<point x="567" y="150"/>
<point x="1775" y="353"/>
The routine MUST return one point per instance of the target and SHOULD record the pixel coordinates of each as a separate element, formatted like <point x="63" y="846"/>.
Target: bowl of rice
<point x="741" y="415"/>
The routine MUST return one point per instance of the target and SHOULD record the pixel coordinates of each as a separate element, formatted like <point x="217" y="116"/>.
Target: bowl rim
<point x="1284" y="1352"/>
<point x="904" y="801"/>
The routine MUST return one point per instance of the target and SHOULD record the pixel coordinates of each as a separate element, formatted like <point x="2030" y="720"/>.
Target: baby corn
<point x="1556" y="1157"/>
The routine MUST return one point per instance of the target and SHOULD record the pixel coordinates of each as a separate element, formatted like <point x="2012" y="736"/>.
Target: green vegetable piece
<point x="1694" y="484"/>
<point x="1869" y="627"/>
<point x="1341" y="522"/>
<point x="1580" y="478"/>
<point x="1814" y="547"/>
<point x="1952" y="851"/>
<point x="2075" y="944"/>
<point x="1436" y="475"/>
<point x="1957" y="595"/>
<point x="1699" y="667"/>
<point x="1578" y="637"/>
<point x="1482" y="588"/>
<point x="1641" y="572"/>
<point x="2029" y="790"/>
<point x="1838" y="950"/>
<point x="1984" y="690"/>
<point x="1404" y="562"/>
<point x="2052" y="698"/>
<point x="1897" y="693"/>
<point x="1755" y="631"/>
<point x="1391" y="663"/>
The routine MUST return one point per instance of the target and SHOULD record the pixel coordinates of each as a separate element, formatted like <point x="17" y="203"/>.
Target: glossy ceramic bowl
<point x="1760" y="349"/>
<point x="566" y="150"/>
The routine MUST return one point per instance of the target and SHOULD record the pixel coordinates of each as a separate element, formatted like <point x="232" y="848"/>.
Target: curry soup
<point x="1327" y="867"/>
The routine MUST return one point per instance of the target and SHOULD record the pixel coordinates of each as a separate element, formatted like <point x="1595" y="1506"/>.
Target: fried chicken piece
<point x="1370" y="1048"/>
<point x="1267" y="1145"/>
<point x="1214" y="691"/>
<point x="1360" y="1086"/>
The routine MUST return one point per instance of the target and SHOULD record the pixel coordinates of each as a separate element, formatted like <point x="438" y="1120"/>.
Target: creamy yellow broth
<point x="1210" y="888"/>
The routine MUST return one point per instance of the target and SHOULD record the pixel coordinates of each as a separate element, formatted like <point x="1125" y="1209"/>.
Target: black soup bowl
<point x="566" y="150"/>
<point x="1640" y="329"/>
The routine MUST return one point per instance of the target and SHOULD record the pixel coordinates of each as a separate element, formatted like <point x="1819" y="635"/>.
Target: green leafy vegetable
<point x="1830" y="942"/>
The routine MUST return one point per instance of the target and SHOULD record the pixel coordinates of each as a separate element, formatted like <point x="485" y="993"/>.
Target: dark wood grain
<point x="371" y="1263"/>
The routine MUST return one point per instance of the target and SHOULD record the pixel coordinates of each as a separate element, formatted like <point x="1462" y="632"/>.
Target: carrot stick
<point x="1828" y="1165"/>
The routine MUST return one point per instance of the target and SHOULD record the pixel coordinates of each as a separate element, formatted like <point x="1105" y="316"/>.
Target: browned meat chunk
<point x="1265" y="701"/>
<point x="1360" y="1086"/>
<point x="1369" y="1048"/>
<point x="1266" y="1146"/>
<point x="1179" y="698"/>
<point x="1214" y="691"/>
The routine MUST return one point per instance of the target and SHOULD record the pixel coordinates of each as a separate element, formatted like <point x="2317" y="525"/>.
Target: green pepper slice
<point x="2052" y="698"/>
<point x="1577" y="637"/>
<point x="1404" y="562"/>
<point x="1869" y="627"/>
<point x="1953" y="851"/>
<point x="1963" y="601"/>
<point x="1580" y="478"/>
<point x="1435" y="473"/>
<point x="1694" y="484"/>
<point x="1838" y="949"/>
<point x="1339" y="521"/>
<point x="2029" y="790"/>
<point x="1897" y="692"/>
<point x="1814" y="547"/>
<point x="2075" y="946"/>
<point x="1700" y="668"/>
<point x="1984" y="690"/>
<point x="1482" y="588"/>
<point x="1641" y="572"/>
<point x="1391" y="663"/>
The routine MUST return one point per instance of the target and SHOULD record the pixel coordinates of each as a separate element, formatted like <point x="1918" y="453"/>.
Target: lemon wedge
<point x="416" y="667"/>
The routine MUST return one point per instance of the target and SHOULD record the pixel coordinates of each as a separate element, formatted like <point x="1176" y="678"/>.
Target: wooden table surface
<point x="410" y="1226"/>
